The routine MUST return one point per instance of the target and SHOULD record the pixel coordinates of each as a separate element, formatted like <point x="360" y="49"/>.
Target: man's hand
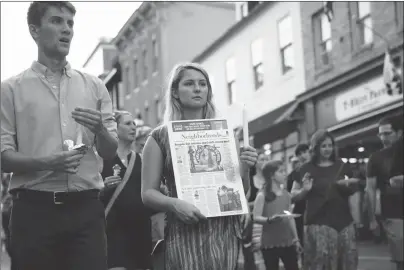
<point x="91" y="119"/>
<point x="66" y="161"/>
<point x="397" y="181"/>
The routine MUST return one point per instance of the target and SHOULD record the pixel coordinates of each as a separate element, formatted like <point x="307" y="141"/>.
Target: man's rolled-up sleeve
<point x="8" y="125"/>
<point x="106" y="109"/>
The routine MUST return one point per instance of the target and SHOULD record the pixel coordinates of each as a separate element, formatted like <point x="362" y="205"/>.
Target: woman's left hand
<point x="298" y="246"/>
<point x="249" y="156"/>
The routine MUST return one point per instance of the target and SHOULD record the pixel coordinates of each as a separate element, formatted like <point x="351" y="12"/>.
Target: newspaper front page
<point x="206" y="166"/>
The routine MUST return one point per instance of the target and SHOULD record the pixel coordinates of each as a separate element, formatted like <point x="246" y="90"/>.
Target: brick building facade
<point x="344" y="59"/>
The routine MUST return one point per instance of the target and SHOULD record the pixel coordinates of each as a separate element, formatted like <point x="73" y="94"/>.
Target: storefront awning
<point x="110" y="75"/>
<point x="272" y="126"/>
<point x="275" y="132"/>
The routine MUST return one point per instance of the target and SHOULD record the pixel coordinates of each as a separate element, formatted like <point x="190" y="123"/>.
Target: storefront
<point x="351" y="111"/>
<point x="277" y="132"/>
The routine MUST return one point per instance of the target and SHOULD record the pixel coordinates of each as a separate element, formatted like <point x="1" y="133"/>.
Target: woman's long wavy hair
<point x="316" y="140"/>
<point x="268" y="171"/>
<point x="173" y="108"/>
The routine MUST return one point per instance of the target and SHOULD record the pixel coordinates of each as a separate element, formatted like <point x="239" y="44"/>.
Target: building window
<point x="244" y="9"/>
<point x="146" y="115"/>
<point x="159" y="111"/>
<point x="155" y="55"/>
<point x="145" y="70"/>
<point x="285" y="33"/>
<point x="135" y="74"/>
<point x="399" y="8"/>
<point x="231" y="80"/>
<point x="127" y="79"/>
<point x="322" y="36"/>
<point x="256" y="55"/>
<point x="364" y="23"/>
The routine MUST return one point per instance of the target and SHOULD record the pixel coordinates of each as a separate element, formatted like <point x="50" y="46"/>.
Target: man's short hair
<point x="300" y="148"/>
<point x="37" y="10"/>
<point x="396" y="121"/>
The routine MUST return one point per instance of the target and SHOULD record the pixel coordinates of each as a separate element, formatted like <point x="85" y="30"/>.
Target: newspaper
<point x="206" y="166"/>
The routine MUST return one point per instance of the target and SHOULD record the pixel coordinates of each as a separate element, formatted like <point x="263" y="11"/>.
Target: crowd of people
<point x="93" y="207"/>
<point x="321" y="187"/>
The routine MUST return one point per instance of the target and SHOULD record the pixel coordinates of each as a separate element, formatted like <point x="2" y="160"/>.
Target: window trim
<point x="286" y="46"/>
<point x="155" y="56"/>
<point x="136" y="73"/>
<point x="320" y="42"/>
<point x="257" y="64"/>
<point x="285" y="69"/>
<point x="144" y="66"/>
<point x="360" y="25"/>
<point x="230" y="81"/>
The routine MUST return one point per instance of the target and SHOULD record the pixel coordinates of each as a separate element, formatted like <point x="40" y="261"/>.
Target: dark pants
<point x="288" y="255"/>
<point x="249" y="262"/>
<point x="67" y="236"/>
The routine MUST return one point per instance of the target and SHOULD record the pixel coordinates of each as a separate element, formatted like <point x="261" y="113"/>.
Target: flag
<point x="328" y="10"/>
<point x="391" y="76"/>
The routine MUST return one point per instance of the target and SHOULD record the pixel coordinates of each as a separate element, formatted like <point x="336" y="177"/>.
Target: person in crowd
<point x="302" y="154"/>
<point x="142" y="133"/>
<point x="379" y="172"/>
<point x="326" y="184"/>
<point x="279" y="238"/>
<point x="57" y="220"/>
<point x="6" y="207"/>
<point x="256" y="183"/>
<point x="192" y="241"/>
<point x="128" y="222"/>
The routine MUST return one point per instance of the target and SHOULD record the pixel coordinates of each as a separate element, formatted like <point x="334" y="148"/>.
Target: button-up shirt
<point x="36" y="120"/>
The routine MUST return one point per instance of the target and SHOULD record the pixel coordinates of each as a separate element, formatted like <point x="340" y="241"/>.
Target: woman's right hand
<point x="307" y="182"/>
<point x="274" y="218"/>
<point x="187" y="213"/>
<point x="112" y="179"/>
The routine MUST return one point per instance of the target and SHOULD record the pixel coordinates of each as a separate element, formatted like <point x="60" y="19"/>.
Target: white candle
<point x="246" y="137"/>
<point x="79" y="135"/>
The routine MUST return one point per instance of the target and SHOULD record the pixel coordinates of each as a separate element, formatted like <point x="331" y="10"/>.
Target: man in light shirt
<point x="57" y="220"/>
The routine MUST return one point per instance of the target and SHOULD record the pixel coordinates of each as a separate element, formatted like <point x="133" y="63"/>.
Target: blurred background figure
<point x="128" y="222"/>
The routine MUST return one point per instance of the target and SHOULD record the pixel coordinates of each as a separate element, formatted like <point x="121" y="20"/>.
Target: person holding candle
<point x="325" y="184"/>
<point x="192" y="241"/>
<point x="128" y="222"/>
<point x="279" y="239"/>
<point x="57" y="220"/>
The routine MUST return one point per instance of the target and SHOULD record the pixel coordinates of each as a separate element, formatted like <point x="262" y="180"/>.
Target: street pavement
<point x="371" y="257"/>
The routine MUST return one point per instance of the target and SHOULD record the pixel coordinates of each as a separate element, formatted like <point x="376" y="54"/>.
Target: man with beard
<point x="379" y="174"/>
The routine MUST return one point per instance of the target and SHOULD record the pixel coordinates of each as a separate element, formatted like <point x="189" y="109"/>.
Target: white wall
<point x="96" y="65"/>
<point x="190" y="28"/>
<point x="278" y="89"/>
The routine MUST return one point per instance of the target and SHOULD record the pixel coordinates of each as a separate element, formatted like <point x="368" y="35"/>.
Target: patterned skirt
<point x="326" y="248"/>
<point x="209" y="245"/>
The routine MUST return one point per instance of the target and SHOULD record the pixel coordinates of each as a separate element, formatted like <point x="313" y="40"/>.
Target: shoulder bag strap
<point x="122" y="184"/>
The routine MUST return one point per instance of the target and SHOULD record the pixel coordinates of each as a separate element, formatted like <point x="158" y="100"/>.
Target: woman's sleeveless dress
<point x="208" y="245"/>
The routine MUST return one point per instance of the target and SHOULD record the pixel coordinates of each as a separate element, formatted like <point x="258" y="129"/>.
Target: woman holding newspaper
<point x="192" y="240"/>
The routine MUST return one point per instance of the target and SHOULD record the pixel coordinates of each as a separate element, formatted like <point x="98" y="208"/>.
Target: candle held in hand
<point x="246" y="137"/>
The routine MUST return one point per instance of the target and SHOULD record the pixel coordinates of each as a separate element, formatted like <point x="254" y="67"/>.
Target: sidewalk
<point x="371" y="257"/>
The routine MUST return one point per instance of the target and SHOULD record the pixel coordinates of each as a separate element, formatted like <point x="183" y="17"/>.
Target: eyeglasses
<point x="384" y="134"/>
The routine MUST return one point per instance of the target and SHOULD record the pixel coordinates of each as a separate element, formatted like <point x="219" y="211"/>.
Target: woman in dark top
<point x="326" y="185"/>
<point x="128" y="222"/>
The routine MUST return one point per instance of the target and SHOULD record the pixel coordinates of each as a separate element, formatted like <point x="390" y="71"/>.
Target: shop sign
<point x="362" y="99"/>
